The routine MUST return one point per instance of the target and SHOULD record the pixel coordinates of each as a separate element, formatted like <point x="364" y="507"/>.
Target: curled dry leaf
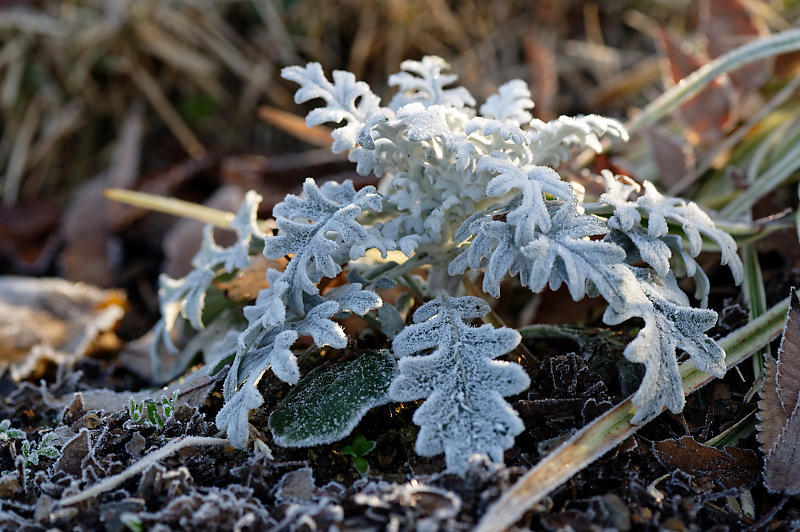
<point x="51" y="319"/>
<point x="779" y="427"/>
<point x="709" y="467"/>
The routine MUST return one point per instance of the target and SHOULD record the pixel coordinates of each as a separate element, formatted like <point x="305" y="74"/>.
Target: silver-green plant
<point x="462" y="193"/>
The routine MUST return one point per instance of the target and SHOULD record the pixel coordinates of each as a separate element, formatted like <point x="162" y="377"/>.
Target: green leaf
<point x="360" y="447"/>
<point x="361" y="465"/>
<point x="328" y="403"/>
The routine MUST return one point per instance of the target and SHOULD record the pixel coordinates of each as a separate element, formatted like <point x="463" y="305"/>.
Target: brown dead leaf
<point x="673" y="155"/>
<point x="712" y="112"/>
<point x="779" y="430"/>
<point x="247" y="283"/>
<point x="728" y="24"/>
<point x="543" y="72"/>
<point x="727" y="468"/>
<point x="51" y="319"/>
<point x="770" y="411"/>
<point x="787" y="377"/>
<point x="780" y="465"/>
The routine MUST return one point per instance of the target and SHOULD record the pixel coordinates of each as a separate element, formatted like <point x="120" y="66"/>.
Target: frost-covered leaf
<point x="566" y="255"/>
<point x="464" y="412"/>
<point x="7" y="432"/>
<point x="245" y="224"/>
<point x="655" y="245"/>
<point x="346" y="100"/>
<point x="184" y="297"/>
<point x="234" y="415"/>
<point x="512" y="103"/>
<point x="423" y="82"/>
<point x="670" y="323"/>
<point x="328" y="403"/>
<point x="694" y="222"/>
<point x="532" y="182"/>
<point x="320" y="231"/>
<point x="552" y="142"/>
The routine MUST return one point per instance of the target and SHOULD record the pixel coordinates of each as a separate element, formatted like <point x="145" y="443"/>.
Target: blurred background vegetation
<point x="184" y="98"/>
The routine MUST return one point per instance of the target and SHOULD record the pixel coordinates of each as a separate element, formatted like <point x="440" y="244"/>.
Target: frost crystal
<point x="464" y="412"/>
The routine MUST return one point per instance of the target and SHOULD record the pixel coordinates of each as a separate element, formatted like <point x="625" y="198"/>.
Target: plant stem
<point x="152" y="458"/>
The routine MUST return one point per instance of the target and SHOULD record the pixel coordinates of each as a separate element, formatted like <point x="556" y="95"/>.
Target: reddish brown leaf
<point x="726" y="468"/>
<point x="788" y="374"/>
<point x="712" y="112"/>
<point x="780" y="465"/>
<point x="672" y="154"/>
<point x="779" y="430"/>
<point x="728" y="24"/>
<point x="544" y="74"/>
<point x="770" y="414"/>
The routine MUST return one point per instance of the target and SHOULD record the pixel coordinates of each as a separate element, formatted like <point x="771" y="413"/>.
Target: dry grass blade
<point x="138" y="467"/>
<point x="19" y="153"/>
<point x="152" y="91"/>
<point x="613" y="427"/>
<point x="769" y="180"/>
<point x="172" y="206"/>
<point x="296" y="126"/>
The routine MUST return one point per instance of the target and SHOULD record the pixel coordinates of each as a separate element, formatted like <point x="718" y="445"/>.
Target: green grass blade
<point x="769" y="180"/>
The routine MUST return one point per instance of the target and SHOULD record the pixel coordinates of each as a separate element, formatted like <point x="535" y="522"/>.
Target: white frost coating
<point x="512" y="103"/>
<point x="670" y="322"/>
<point x="423" y="82"/>
<point x="654" y="244"/>
<point x="553" y="142"/>
<point x="340" y="99"/>
<point x="186" y="297"/>
<point x="321" y="231"/>
<point x="464" y="412"/>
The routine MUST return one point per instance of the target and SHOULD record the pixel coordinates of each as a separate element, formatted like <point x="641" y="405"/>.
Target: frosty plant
<point x="463" y="193"/>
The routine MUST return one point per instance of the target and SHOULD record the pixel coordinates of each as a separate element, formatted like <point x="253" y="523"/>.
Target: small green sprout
<point x="45" y="448"/>
<point x="155" y="413"/>
<point x="360" y="447"/>
<point x="9" y="433"/>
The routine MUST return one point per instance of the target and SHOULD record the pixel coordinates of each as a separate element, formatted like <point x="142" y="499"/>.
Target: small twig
<point x="115" y="480"/>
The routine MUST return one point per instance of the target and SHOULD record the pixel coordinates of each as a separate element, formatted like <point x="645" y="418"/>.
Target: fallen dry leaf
<point x="51" y="319"/>
<point x="673" y="155"/>
<point x="708" y="466"/>
<point x="248" y="282"/>
<point x="779" y="427"/>
<point x="728" y="24"/>
<point x="712" y="112"/>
